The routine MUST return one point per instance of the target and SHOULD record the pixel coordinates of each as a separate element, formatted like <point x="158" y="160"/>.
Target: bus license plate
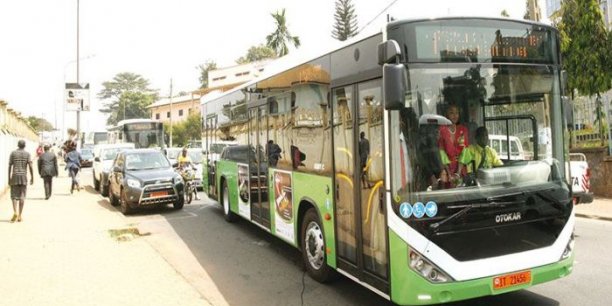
<point x="159" y="194"/>
<point x="510" y="280"/>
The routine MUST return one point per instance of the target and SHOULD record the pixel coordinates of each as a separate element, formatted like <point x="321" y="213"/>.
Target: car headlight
<point x="133" y="183"/>
<point x="426" y="269"/>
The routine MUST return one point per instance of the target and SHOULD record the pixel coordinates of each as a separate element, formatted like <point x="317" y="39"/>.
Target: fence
<point x="13" y="127"/>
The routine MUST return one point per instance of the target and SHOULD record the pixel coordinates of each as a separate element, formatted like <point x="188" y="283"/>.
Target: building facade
<point x="174" y="110"/>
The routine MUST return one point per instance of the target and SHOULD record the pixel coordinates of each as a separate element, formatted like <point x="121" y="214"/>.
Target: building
<point x="175" y="109"/>
<point x="235" y="75"/>
<point x="552" y="6"/>
<point x="533" y="11"/>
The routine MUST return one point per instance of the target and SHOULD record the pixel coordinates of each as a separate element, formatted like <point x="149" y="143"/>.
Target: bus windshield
<point x="446" y="159"/>
<point x="144" y="138"/>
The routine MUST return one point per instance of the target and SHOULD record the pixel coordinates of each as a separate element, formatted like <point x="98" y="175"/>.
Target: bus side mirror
<point x="388" y="52"/>
<point x="564" y="82"/>
<point x="394" y="86"/>
<point x="568" y="111"/>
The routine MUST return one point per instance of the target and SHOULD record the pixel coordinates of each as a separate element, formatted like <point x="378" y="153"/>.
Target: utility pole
<point x="170" y="99"/>
<point x="78" y="112"/>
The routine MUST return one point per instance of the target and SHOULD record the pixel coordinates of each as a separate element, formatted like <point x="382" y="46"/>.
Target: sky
<point x="167" y="39"/>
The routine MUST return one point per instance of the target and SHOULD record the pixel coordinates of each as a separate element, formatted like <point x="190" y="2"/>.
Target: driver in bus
<point x="479" y="155"/>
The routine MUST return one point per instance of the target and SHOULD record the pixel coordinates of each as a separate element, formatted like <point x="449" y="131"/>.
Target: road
<point x="247" y="266"/>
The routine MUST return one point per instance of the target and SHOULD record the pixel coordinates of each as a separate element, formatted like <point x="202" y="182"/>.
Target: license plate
<point x="159" y="194"/>
<point x="510" y="280"/>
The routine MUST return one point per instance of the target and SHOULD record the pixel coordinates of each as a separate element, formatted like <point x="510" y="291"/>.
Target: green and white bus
<point x="360" y="184"/>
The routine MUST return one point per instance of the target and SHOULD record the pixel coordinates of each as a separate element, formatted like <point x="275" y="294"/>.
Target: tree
<point x="504" y="13"/>
<point x="128" y="96"/>
<point x="204" y="69"/>
<point x="586" y="54"/>
<point x="278" y="39"/>
<point x="256" y="53"/>
<point x="183" y="132"/>
<point x="346" y="20"/>
<point x="39" y="124"/>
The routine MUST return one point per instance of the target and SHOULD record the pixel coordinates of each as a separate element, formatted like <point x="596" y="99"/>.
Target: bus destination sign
<point x="482" y="44"/>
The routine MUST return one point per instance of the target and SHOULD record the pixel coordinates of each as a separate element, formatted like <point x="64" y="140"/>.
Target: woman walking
<point x="73" y="165"/>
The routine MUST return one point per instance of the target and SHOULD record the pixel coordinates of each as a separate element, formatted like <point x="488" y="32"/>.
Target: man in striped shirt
<point x="19" y="161"/>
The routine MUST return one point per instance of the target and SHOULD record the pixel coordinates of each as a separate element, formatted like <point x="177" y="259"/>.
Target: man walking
<point x="18" y="178"/>
<point x="47" y="168"/>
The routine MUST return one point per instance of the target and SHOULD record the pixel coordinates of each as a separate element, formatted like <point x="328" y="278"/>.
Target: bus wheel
<point x="313" y="248"/>
<point x="227" y="212"/>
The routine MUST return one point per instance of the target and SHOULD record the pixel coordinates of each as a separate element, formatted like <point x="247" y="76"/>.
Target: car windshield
<point x="146" y="160"/>
<point x="173" y="153"/>
<point x="195" y="156"/>
<point x="86" y="153"/>
<point x="110" y="154"/>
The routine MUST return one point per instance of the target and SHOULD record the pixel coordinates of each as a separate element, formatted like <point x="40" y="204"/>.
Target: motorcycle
<point x="188" y="175"/>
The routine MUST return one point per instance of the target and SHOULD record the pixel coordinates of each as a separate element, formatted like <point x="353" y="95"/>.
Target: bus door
<point x="258" y="164"/>
<point x="359" y="171"/>
<point x="208" y="166"/>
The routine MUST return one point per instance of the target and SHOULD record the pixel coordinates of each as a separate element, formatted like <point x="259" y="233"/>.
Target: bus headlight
<point x="569" y="248"/>
<point x="429" y="271"/>
<point x="133" y="183"/>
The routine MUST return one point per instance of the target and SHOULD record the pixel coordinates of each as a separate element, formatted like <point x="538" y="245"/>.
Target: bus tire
<point x="313" y="248"/>
<point x="225" y="201"/>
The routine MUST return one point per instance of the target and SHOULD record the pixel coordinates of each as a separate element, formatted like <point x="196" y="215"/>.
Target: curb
<point x="595" y="217"/>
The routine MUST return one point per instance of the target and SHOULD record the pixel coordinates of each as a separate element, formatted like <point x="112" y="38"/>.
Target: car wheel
<point x="104" y="190"/>
<point x="96" y="182"/>
<point x="227" y="212"/>
<point x="125" y="208"/>
<point x="113" y="199"/>
<point x="179" y="203"/>
<point x="313" y="248"/>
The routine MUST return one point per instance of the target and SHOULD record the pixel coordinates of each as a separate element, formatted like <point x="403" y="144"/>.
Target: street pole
<point x="607" y="104"/>
<point x="78" y="112"/>
<point x="170" y="99"/>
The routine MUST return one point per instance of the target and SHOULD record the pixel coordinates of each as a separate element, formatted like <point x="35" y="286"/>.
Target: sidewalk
<point x="63" y="254"/>
<point x="601" y="209"/>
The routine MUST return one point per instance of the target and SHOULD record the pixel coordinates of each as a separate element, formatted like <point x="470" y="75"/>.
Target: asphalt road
<point x="250" y="267"/>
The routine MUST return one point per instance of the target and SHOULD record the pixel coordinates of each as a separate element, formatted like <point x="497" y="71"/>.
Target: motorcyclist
<point x="184" y="162"/>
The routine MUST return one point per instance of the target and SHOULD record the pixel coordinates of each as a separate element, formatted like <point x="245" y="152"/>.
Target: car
<point x="104" y="155"/>
<point x="172" y="154"/>
<point x="581" y="179"/>
<point x="500" y="144"/>
<point x="196" y="156"/>
<point x="143" y="178"/>
<point x="87" y="158"/>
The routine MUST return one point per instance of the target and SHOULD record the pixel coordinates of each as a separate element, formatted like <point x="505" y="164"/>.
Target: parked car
<point x="196" y="157"/>
<point x="144" y="177"/>
<point x="581" y="179"/>
<point x="87" y="157"/>
<point x="500" y="144"/>
<point x="104" y="155"/>
<point x="172" y="154"/>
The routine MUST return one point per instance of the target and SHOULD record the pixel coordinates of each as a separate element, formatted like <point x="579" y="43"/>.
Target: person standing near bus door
<point x="364" y="154"/>
<point x="19" y="161"/>
<point x="47" y="169"/>
<point x="274" y="153"/>
<point x="453" y="138"/>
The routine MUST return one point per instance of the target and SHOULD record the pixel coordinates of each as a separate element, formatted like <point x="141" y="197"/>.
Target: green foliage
<point x="183" y="132"/>
<point x="585" y="47"/>
<point x="128" y="96"/>
<point x="504" y="13"/>
<point x="345" y="25"/>
<point x="256" y="53"/>
<point x="278" y="39"/>
<point x="204" y="69"/>
<point x="39" y="124"/>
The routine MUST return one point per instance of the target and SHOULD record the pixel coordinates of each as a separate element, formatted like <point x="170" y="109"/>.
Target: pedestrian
<point x="19" y="161"/>
<point x="73" y="165"/>
<point x="364" y="154"/>
<point x="47" y="169"/>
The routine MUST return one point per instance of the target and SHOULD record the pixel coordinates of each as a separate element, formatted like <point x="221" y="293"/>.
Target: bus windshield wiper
<point x="489" y="202"/>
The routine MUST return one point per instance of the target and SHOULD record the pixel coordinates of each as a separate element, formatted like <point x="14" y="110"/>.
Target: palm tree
<point x="278" y="39"/>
